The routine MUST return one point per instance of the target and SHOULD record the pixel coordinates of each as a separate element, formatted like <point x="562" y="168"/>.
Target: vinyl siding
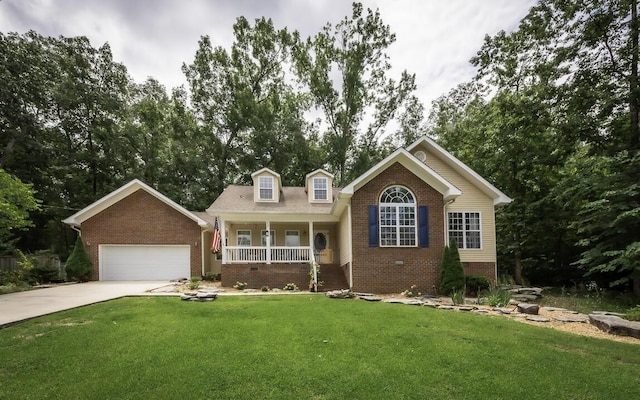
<point x="471" y="200"/>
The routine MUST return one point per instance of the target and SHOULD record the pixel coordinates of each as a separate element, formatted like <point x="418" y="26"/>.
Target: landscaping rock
<point x="501" y="310"/>
<point x="607" y="313"/>
<point x="340" y="294"/>
<point x="446" y="308"/>
<point x="528" y="308"/>
<point x="467" y="308"/>
<point x="558" y="309"/>
<point x="615" y="325"/>
<point x="572" y="319"/>
<point x="524" y="297"/>
<point x="198" y="296"/>
<point x="537" y="319"/>
<point x="370" y="298"/>
<point x="411" y="302"/>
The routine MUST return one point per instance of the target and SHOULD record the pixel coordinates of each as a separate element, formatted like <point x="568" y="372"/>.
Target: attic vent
<point x="421" y="155"/>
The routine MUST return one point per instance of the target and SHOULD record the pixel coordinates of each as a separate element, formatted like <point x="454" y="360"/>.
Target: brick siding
<point x="394" y="269"/>
<point x="140" y="218"/>
<point x="272" y="275"/>
<point x="486" y="269"/>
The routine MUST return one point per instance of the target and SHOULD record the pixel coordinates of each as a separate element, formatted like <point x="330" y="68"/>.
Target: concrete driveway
<point x="16" y="307"/>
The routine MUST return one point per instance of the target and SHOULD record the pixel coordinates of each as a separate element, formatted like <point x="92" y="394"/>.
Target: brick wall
<point x="378" y="269"/>
<point x="272" y="275"/>
<point x="141" y="218"/>
<point x="486" y="269"/>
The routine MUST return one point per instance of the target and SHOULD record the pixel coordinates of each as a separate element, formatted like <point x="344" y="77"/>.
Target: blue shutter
<point x="423" y="226"/>
<point x="373" y="226"/>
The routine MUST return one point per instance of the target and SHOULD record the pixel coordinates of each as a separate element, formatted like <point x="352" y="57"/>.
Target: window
<point x="263" y="238"/>
<point x="265" y="186"/>
<point x="292" y="238"/>
<point x="243" y="238"/>
<point x="464" y="227"/>
<point x="397" y="217"/>
<point x="320" y="190"/>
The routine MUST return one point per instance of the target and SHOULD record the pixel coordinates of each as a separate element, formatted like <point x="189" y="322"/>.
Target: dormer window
<point x="265" y="187"/>
<point x="320" y="189"/>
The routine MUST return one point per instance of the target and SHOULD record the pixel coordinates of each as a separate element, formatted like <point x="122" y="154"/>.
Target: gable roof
<point x="271" y="172"/>
<point x="499" y="198"/>
<point x="421" y="170"/>
<point x="122" y="192"/>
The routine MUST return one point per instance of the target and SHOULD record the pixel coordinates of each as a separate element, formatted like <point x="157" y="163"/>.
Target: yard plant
<point x="303" y="347"/>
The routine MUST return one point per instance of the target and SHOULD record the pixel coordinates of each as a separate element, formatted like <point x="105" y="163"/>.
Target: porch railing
<point x="258" y="254"/>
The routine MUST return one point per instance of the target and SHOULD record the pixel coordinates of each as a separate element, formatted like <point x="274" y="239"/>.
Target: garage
<point x="144" y="262"/>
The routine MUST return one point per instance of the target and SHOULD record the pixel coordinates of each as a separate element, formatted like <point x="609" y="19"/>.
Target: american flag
<point x="215" y="244"/>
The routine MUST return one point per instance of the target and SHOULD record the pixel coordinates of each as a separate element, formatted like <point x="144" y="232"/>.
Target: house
<point x="382" y="233"/>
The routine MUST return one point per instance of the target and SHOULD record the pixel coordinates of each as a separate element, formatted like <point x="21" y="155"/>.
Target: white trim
<point x="397" y="212"/>
<point x="421" y="170"/>
<point x="124" y="191"/>
<point x="464" y="245"/>
<point x="318" y="171"/>
<point x="250" y="237"/>
<point x="298" y="235"/>
<point x="499" y="198"/>
<point x="262" y="231"/>
<point x="326" y="188"/>
<point x="270" y="186"/>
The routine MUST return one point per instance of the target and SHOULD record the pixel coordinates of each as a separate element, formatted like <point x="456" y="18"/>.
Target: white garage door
<point x="139" y="263"/>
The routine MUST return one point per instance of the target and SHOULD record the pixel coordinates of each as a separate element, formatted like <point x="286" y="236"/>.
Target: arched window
<point x="397" y="217"/>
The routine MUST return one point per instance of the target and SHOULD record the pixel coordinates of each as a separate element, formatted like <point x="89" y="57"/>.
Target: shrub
<point x="451" y="271"/>
<point x="240" y="285"/>
<point x="499" y="298"/>
<point x="476" y="283"/>
<point x="290" y="286"/>
<point x="43" y="273"/>
<point x="78" y="267"/>
<point x="633" y="314"/>
<point x="194" y="283"/>
<point x="211" y="277"/>
<point x="265" y="288"/>
<point x="457" y="297"/>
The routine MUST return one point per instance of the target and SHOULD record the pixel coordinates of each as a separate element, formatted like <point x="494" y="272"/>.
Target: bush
<point x="78" y="267"/>
<point x="290" y="286"/>
<point x="499" y="298"/>
<point x="240" y="285"/>
<point x="411" y="292"/>
<point x="44" y="273"/>
<point x="211" y="277"/>
<point x="451" y="271"/>
<point x="633" y="314"/>
<point x="194" y="283"/>
<point x="265" y="288"/>
<point x="476" y="283"/>
<point x="457" y="297"/>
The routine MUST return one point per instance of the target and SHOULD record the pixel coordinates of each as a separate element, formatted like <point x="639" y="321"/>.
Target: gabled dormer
<point x="266" y="186"/>
<point x="318" y="185"/>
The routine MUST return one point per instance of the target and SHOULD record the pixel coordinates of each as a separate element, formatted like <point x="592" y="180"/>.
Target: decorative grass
<point x="303" y="347"/>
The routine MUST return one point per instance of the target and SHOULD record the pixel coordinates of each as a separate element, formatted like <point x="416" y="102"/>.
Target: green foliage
<point x="476" y="283"/>
<point x="451" y="270"/>
<point x="211" y="277"/>
<point x="16" y="202"/>
<point x="633" y="314"/>
<point x="78" y="266"/>
<point x="264" y="288"/>
<point x="194" y="283"/>
<point x="498" y="297"/>
<point x="457" y="297"/>
<point x="240" y="285"/>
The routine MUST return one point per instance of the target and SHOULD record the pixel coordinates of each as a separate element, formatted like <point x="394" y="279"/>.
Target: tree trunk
<point x="517" y="260"/>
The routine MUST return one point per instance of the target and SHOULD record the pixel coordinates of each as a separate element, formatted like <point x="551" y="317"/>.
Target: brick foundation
<point x="486" y="269"/>
<point x="272" y="275"/>
<point x="141" y="219"/>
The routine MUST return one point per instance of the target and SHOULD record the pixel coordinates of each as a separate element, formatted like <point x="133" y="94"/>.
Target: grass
<point x="586" y="302"/>
<point x="303" y="347"/>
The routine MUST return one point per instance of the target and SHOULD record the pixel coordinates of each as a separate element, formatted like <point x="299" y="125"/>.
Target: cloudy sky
<point x="435" y="38"/>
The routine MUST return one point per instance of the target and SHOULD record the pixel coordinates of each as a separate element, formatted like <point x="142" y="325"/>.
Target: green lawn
<point x="303" y="347"/>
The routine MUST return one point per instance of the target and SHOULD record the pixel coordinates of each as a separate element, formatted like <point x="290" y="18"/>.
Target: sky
<point x="435" y="39"/>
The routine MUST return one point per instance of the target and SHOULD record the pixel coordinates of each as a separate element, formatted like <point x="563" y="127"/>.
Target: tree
<point x="451" y="270"/>
<point x="16" y="201"/>
<point x="355" y="48"/>
<point x="78" y="266"/>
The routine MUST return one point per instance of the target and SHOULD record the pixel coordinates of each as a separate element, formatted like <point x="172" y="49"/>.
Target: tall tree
<point x="362" y="93"/>
<point x="16" y="202"/>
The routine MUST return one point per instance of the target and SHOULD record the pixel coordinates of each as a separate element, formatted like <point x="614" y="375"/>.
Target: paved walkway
<point x="16" y="307"/>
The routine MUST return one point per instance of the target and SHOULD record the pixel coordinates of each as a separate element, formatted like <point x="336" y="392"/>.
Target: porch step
<point x="332" y="278"/>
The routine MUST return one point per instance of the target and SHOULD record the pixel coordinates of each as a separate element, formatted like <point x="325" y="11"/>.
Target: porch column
<point x="312" y="256"/>
<point x="223" y="239"/>
<point x="268" y="240"/>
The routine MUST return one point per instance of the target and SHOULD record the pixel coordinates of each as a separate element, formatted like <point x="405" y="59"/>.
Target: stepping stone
<point x="370" y="298"/>
<point x="501" y="310"/>
<point x="554" y="309"/>
<point x="615" y="325"/>
<point x="525" y="297"/>
<point x="537" y="319"/>
<point x="446" y="307"/>
<point x="466" y="308"/>
<point x="481" y="310"/>
<point x="572" y="319"/>
<point x="528" y="308"/>
<point x="608" y="313"/>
